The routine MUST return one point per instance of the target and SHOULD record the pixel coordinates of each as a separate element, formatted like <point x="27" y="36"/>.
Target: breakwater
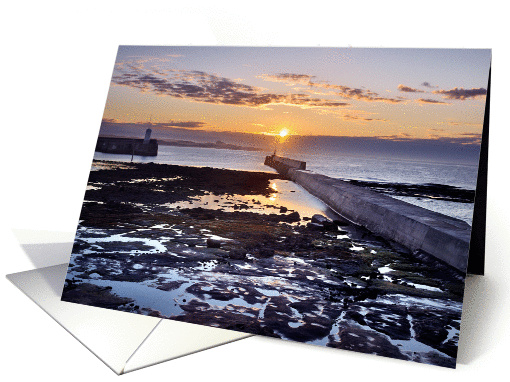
<point x="416" y="228"/>
<point x="131" y="146"/>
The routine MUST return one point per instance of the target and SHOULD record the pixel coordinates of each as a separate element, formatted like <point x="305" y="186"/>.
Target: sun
<point x="283" y="133"/>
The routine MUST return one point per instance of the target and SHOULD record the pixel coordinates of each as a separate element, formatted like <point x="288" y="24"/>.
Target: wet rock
<point x="355" y="316"/>
<point x="252" y="295"/>
<point x="450" y="347"/>
<point x="214" y="243"/>
<point x="349" y="267"/>
<point x="294" y="217"/>
<point x="231" y="319"/>
<point x="341" y="222"/>
<point x="366" y="293"/>
<point x="390" y="322"/>
<point x="428" y="190"/>
<point x="304" y="307"/>
<point x="202" y="289"/>
<point x="436" y="359"/>
<point x="188" y="241"/>
<point x="319" y="219"/>
<point x="311" y="328"/>
<point x="314" y="227"/>
<point x="89" y="294"/>
<point x="265" y="252"/>
<point x="123" y="246"/>
<point x="237" y="254"/>
<point x="310" y="331"/>
<point x="430" y="328"/>
<point x="171" y="285"/>
<point x="320" y="243"/>
<point x="323" y="221"/>
<point x="194" y="305"/>
<point x="392" y="287"/>
<point x="200" y="213"/>
<point x="297" y="243"/>
<point x="152" y="313"/>
<point x="80" y="245"/>
<point x="358" y="339"/>
<point x="277" y="306"/>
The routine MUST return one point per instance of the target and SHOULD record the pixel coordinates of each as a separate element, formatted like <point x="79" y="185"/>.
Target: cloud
<point x="408" y="89"/>
<point x="428" y="85"/>
<point x="200" y="86"/>
<point x="109" y="120"/>
<point x="155" y="125"/>
<point x="463" y="139"/>
<point x="433" y="101"/>
<point x="400" y="137"/>
<point x="185" y="124"/>
<point x="362" y="119"/>
<point x="460" y="123"/>
<point x="288" y="78"/>
<point x="461" y="93"/>
<point x="340" y="90"/>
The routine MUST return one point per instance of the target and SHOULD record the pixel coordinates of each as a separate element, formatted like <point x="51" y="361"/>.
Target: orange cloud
<point x="408" y="89"/>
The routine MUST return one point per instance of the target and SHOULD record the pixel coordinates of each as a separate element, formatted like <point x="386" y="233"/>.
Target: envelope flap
<point x="173" y="339"/>
<point x="112" y="336"/>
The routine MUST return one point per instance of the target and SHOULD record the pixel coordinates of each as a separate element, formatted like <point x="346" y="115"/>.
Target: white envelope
<point x="123" y="341"/>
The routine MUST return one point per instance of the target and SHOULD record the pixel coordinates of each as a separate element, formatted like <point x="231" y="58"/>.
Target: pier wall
<point x="416" y="228"/>
<point x="127" y="146"/>
<point x="282" y="165"/>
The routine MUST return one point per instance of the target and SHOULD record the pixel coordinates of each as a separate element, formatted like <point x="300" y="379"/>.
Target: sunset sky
<point x="391" y="94"/>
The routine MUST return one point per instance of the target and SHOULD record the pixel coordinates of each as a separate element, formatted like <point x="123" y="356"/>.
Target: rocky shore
<point x="429" y="190"/>
<point x="219" y="248"/>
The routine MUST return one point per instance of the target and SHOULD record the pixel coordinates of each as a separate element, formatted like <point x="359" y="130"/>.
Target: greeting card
<point x="330" y="196"/>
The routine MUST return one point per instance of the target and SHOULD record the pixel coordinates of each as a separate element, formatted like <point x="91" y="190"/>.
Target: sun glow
<point x="283" y="133"/>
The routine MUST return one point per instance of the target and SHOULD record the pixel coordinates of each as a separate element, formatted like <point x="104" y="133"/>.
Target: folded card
<point x="320" y="195"/>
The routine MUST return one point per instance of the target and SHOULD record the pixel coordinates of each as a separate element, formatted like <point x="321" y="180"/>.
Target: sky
<point x="398" y="95"/>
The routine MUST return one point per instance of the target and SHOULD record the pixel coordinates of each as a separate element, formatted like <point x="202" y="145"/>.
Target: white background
<point x="56" y="62"/>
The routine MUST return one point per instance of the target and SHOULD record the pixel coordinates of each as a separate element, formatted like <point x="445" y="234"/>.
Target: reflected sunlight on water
<point x="338" y="166"/>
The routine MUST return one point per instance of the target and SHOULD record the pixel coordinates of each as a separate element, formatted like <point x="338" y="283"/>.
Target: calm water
<point x="337" y="166"/>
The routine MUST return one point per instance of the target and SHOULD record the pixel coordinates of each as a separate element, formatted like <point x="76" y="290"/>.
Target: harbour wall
<point x="282" y="164"/>
<point x="143" y="147"/>
<point x="416" y="228"/>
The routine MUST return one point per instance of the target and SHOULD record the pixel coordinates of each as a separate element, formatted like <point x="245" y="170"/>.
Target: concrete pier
<point x="143" y="147"/>
<point x="282" y="164"/>
<point x="416" y="228"/>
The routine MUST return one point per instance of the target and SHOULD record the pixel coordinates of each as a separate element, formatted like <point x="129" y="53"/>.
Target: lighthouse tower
<point x="147" y="138"/>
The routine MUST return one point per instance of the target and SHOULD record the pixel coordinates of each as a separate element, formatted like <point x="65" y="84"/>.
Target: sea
<point x="339" y="165"/>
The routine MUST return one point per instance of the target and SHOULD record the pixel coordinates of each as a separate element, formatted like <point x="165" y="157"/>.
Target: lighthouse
<point x="147" y="138"/>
